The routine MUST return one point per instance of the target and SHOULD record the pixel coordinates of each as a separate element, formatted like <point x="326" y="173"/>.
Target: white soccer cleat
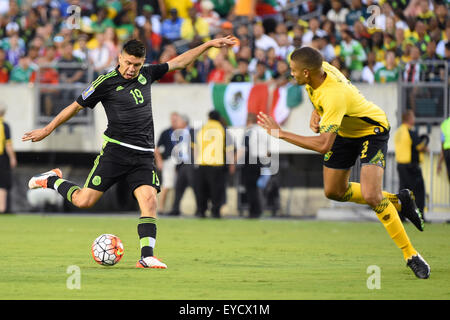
<point x="40" y="180"/>
<point x="151" y="262"/>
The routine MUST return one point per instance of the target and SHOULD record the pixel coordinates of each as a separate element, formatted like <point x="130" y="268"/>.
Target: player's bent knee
<point x="334" y="195"/>
<point x="373" y="200"/>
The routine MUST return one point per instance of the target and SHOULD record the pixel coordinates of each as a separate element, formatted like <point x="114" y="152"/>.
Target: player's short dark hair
<point x="214" y="115"/>
<point x="135" y="48"/>
<point x="309" y="57"/>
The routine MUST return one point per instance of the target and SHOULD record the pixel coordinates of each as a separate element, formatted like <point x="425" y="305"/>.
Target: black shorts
<point x="345" y="151"/>
<point x="116" y="162"/>
<point x="5" y="173"/>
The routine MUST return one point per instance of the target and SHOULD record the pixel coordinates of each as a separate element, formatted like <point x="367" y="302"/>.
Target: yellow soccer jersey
<point x="343" y="109"/>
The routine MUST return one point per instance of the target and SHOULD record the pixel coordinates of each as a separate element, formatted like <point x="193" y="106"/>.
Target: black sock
<point x="147" y="235"/>
<point x="64" y="187"/>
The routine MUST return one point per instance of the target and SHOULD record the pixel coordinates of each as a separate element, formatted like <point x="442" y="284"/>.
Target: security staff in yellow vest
<point x="408" y="152"/>
<point x="7" y="160"/>
<point x="211" y="148"/>
<point x="445" y="152"/>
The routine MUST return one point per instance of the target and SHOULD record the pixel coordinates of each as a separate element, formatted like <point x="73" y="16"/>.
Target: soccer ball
<point x="107" y="249"/>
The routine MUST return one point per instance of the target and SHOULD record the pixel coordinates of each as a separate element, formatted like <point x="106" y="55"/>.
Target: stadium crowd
<point x="367" y="44"/>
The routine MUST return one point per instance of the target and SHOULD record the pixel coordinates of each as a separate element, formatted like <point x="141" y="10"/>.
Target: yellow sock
<point x="393" y="199"/>
<point x="388" y="216"/>
<point x="353" y="194"/>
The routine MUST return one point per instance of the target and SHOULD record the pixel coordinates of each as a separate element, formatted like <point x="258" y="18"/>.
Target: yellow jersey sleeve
<point x="343" y="109"/>
<point x="334" y="106"/>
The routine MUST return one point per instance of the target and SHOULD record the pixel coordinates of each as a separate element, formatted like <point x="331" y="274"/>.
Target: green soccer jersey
<point x="384" y="75"/>
<point x="353" y="54"/>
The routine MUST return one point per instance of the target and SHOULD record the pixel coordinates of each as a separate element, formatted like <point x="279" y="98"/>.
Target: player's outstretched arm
<point x="183" y="60"/>
<point x="63" y="116"/>
<point x="321" y="143"/>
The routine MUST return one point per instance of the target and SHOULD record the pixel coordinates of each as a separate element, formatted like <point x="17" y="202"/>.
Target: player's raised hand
<point x="228" y="41"/>
<point x="35" y="135"/>
<point x="269" y="124"/>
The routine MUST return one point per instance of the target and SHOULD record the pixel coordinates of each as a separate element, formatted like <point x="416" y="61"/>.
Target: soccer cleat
<point x="409" y="208"/>
<point x="151" y="262"/>
<point x="40" y="180"/>
<point x="419" y="266"/>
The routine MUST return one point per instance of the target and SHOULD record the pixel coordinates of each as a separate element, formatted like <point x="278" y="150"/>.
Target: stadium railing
<point x="429" y="96"/>
<point x="53" y="93"/>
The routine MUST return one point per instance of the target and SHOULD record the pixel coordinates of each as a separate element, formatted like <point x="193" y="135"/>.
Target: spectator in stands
<point x="445" y="147"/>
<point x="33" y="54"/>
<point x="314" y="30"/>
<point x="262" y="74"/>
<point x="412" y="73"/>
<point x="408" y="149"/>
<point x="285" y="47"/>
<point x="22" y="72"/>
<point x="442" y="15"/>
<point x="69" y="74"/>
<point x="243" y="11"/>
<point x="223" y="7"/>
<point x="47" y="74"/>
<point x="8" y="160"/>
<point x="389" y="72"/>
<point x="282" y="70"/>
<point x="171" y="27"/>
<point x="148" y="15"/>
<point x="204" y="65"/>
<point x="271" y="60"/>
<point x="100" y="57"/>
<point x="13" y="50"/>
<point x="388" y="42"/>
<point x="5" y="67"/>
<point x="420" y="36"/>
<point x="81" y="50"/>
<point x="208" y="14"/>
<point x="353" y="55"/>
<point x="321" y="44"/>
<point x="357" y="11"/>
<point x="242" y="74"/>
<point x="433" y="69"/>
<point x="168" y="54"/>
<point x="189" y="75"/>
<point x="151" y="40"/>
<point x="440" y="49"/>
<point x="371" y="67"/>
<point x="100" y="19"/>
<point x="219" y="73"/>
<point x="182" y="7"/>
<point x="262" y="40"/>
<point x="361" y="34"/>
<point x="399" y="18"/>
<point x="337" y="14"/>
<point x="194" y="26"/>
<point x="424" y="13"/>
<point x="112" y="43"/>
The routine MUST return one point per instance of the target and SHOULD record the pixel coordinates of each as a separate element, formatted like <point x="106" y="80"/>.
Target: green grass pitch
<point x="218" y="259"/>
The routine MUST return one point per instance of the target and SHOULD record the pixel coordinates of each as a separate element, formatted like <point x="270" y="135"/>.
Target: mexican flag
<point x="236" y="99"/>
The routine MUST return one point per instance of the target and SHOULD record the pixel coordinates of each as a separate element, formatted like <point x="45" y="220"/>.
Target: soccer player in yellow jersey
<point x="349" y="126"/>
